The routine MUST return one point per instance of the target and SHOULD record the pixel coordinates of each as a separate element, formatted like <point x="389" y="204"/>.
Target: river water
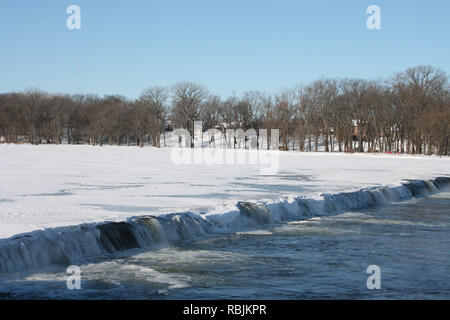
<point x="324" y="257"/>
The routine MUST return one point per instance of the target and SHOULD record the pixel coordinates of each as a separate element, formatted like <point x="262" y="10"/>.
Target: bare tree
<point x="187" y="102"/>
<point x="154" y="100"/>
<point x="409" y="112"/>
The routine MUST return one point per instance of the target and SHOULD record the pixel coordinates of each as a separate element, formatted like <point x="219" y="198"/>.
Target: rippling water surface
<point x="320" y="258"/>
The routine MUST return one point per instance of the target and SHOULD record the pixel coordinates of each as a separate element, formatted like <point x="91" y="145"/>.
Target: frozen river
<point x="51" y="186"/>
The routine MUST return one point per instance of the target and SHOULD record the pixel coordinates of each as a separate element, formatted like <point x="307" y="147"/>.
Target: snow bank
<point x="65" y="203"/>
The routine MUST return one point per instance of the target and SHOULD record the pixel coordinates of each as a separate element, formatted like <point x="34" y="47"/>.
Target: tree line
<point x="406" y="113"/>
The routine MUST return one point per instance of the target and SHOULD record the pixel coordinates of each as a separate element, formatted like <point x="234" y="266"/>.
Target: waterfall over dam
<point x="76" y="244"/>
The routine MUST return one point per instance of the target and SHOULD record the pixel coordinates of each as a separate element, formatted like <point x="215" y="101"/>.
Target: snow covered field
<point x="51" y="186"/>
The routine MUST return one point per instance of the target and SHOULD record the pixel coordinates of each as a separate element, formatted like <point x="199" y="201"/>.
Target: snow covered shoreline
<point x="50" y="186"/>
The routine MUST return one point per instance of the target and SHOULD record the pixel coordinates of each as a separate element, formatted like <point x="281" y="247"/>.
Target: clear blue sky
<point x="227" y="45"/>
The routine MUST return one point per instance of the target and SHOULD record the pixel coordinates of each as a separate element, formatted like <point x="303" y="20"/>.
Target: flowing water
<point x="320" y="257"/>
